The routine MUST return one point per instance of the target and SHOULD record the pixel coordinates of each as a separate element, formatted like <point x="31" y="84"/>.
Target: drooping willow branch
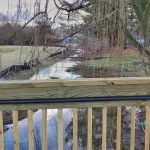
<point x="70" y="7"/>
<point x="85" y="27"/>
<point x="30" y="20"/>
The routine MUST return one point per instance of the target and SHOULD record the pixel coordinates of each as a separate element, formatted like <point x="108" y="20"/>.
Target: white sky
<point x="30" y="3"/>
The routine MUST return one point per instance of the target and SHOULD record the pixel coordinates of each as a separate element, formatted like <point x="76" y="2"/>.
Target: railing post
<point x="60" y="129"/>
<point x="133" y="116"/>
<point x="75" y="129"/>
<point x="16" y="130"/>
<point x="30" y="130"/>
<point x="89" y="133"/>
<point x="118" y="139"/>
<point x="147" y="131"/>
<point x="44" y="129"/>
<point x="104" y="128"/>
<point x="1" y="132"/>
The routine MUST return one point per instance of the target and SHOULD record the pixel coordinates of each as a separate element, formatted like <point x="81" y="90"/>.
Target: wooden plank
<point x="60" y="129"/>
<point x="80" y="91"/>
<point x="89" y="132"/>
<point x="104" y="128"/>
<point x="30" y="130"/>
<point x="1" y="132"/>
<point x="44" y="129"/>
<point x="147" y="131"/>
<point x="118" y="135"/>
<point x="16" y="130"/>
<point x="74" y="83"/>
<point x="75" y="88"/>
<point x="74" y="105"/>
<point x="133" y="117"/>
<point x="75" y="129"/>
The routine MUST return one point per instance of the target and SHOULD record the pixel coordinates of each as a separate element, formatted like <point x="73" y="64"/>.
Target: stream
<point x="58" y="70"/>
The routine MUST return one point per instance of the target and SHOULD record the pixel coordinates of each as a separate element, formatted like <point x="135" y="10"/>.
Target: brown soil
<point x="114" y="52"/>
<point x="90" y="72"/>
<point x="7" y="115"/>
<point x="117" y="52"/>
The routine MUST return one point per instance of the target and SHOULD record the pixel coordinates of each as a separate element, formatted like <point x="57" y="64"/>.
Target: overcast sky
<point x="30" y="3"/>
<point x="52" y="10"/>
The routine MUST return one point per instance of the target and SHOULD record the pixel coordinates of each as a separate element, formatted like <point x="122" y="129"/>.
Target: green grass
<point x="10" y="55"/>
<point x="113" y="61"/>
<point x="126" y="63"/>
<point x="27" y="74"/>
<point x="9" y="49"/>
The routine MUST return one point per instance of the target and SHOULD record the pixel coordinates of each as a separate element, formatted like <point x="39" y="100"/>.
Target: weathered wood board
<point x="74" y="88"/>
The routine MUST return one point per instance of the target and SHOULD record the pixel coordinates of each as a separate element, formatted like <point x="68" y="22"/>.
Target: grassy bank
<point x="123" y="66"/>
<point x="27" y="74"/>
<point x="10" y="55"/>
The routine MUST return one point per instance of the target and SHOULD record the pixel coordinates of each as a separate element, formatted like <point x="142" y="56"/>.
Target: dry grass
<point x="10" y="55"/>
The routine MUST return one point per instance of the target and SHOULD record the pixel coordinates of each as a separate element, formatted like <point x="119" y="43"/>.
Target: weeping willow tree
<point x="104" y="19"/>
<point x="141" y="15"/>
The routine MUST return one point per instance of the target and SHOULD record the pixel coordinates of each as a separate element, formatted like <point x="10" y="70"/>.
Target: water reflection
<point x="52" y="131"/>
<point x="57" y="70"/>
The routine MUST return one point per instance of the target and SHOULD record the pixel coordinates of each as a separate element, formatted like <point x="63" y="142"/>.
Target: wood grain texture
<point x="16" y="130"/>
<point x="60" y="129"/>
<point x="118" y="135"/>
<point x="133" y="117"/>
<point x="147" y="130"/>
<point x="1" y="132"/>
<point x="30" y="130"/>
<point x="104" y="128"/>
<point x="89" y="132"/>
<point x="44" y="129"/>
<point x="75" y="129"/>
<point x="74" y="88"/>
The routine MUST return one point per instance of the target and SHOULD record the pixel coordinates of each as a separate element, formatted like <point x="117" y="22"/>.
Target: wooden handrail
<point x="74" y="88"/>
<point x="123" y="88"/>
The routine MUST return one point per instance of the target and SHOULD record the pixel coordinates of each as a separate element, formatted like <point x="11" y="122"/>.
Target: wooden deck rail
<point x="75" y="94"/>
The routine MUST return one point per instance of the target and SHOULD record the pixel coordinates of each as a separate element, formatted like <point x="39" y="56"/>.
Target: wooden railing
<point x="75" y="94"/>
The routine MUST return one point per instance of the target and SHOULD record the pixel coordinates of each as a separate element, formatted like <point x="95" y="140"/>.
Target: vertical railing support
<point x="133" y="116"/>
<point x="44" y="129"/>
<point x="89" y="133"/>
<point x="30" y="130"/>
<point x="147" y="131"/>
<point x="75" y="129"/>
<point x="16" y="130"/>
<point x="1" y="132"/>
<point x="60" y="129"/>
<point x="104" y="128"/>
<point x="118" y="135"/>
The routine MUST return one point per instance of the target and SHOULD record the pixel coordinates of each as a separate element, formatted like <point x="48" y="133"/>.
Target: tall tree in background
<point x="103" y="15"/>
<point x="141" y="10"/>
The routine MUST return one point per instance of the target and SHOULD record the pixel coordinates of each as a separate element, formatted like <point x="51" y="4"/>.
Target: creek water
<point x="58" y="70"/>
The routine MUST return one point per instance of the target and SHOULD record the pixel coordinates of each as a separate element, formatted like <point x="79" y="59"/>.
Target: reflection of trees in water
<point x="51" y="134"/>
<point x="52" y="125"/>
<point x="37" y="137"/>
<point x="111" y="128"/>
<point x="82" y="129"/>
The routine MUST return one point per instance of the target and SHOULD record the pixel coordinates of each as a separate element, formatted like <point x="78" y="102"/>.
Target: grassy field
<point x="114" y="61"/>
<point x="10" y="55"/>
<point x="130" y="64"/>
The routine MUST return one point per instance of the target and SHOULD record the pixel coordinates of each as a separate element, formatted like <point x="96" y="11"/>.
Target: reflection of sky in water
<point x="51" y="128"/>
<point x="57" y="70"/>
